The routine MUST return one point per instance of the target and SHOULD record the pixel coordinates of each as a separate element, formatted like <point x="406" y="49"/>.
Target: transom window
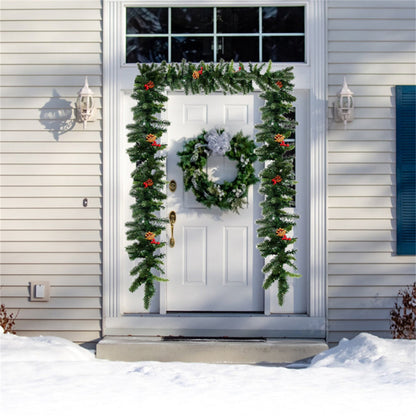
<point x="256" y="34"/>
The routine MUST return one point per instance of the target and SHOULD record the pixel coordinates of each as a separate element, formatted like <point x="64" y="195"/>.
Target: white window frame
<point x="312" y="76"/>
<point x="214" y="33"/>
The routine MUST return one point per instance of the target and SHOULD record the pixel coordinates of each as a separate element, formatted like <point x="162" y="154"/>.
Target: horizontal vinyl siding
<point x="49" y="164"/>
<point x="372" y="43"/>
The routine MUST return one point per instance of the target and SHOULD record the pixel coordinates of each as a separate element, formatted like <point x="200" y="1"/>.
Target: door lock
<point x="172" y="185"/>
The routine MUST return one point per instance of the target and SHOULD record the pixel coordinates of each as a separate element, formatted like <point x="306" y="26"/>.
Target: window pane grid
<point x="170" y="46"/>
<point x="215" y="48"/>
<point x="260" y="34"/>
<point x="170" y="34"/>
<point x="207" y="35"/>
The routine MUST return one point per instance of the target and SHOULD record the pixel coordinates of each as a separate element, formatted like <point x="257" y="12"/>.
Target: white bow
<point x="218" y="143"/>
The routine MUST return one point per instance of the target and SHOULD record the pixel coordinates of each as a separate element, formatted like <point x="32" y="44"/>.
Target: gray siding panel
<point x="372" y="44"/>
<point x="49" y="164"/>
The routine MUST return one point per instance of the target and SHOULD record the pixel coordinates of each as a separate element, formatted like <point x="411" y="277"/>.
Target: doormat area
<point x="212" y="339"/>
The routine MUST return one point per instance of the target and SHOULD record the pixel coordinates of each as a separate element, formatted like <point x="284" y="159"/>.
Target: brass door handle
<point x="172" y="220"/>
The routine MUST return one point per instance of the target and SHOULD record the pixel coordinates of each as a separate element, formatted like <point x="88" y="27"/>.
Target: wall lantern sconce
<point x="85" y="104"/>
<point x="344" y="105"/>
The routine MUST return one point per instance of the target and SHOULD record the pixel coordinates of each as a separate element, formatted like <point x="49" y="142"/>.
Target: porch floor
<point x="208" y="350"/>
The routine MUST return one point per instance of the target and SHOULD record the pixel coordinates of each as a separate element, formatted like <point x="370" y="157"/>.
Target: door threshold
<point x="212" y="339"/>
<point x="205" y="314"/>
<point x="214" y="313"/>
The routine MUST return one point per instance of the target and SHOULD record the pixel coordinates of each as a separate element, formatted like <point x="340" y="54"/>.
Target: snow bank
<point x="16" y="348"/>
<point x="49" y="376"/>
<point x="367" y="349"/>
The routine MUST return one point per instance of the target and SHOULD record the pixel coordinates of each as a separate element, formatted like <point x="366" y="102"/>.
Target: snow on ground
<point x="51" y="376"/>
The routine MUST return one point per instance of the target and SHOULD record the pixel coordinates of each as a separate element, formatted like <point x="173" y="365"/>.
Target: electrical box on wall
<point x="39" y="291"/>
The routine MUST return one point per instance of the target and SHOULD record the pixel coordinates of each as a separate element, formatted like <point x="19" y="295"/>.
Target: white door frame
<point x="310" y="76"/>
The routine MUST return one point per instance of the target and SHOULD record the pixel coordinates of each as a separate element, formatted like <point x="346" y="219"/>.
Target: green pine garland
<point x="149" y="178"/>
<point x="278" y="187"/>
<point x="149" y="163"/>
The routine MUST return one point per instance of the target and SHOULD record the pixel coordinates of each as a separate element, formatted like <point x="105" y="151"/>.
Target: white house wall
<point x="372" y="44"/>
<point x="49" y="165"/>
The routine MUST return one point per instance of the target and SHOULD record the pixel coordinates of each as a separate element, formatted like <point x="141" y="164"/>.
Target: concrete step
<point x="238" y="351"/>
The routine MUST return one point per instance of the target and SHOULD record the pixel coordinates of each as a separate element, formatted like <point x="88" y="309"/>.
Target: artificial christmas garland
<point x="278" y="187"/>
<point x="229" y="195"/>
<point x="277" y="179"/>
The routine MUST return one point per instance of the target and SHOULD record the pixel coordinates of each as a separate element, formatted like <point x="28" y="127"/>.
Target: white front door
<point x="214" y="265"/>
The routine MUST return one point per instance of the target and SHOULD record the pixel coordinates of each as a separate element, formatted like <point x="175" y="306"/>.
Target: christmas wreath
<point x="193" y="159"/>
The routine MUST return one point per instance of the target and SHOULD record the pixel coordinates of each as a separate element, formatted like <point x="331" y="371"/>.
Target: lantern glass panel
<point x="345" y="101"/>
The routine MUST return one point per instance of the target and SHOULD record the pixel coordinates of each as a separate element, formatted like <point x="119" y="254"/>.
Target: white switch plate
<point x="39" y="291"/>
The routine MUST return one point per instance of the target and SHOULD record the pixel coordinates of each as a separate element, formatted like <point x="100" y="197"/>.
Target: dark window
<point x="146" y="20"/>
<point x="238" y="19"/>
<point x="193" y="49"/>
<point x="248" y="34"/>
<point x="147" y="50"/>
<point x="283" y="48"/>
<point x="238" y="48"/>
<point x="283" y="20"/>
<point x="192" y="20"/>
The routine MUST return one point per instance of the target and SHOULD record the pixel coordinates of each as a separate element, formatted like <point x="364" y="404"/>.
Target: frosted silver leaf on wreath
<point x="218" y="143"/>
<point x="244" y="162"/>
<point x="195" y="154"/>
<point x="194" y="183"/>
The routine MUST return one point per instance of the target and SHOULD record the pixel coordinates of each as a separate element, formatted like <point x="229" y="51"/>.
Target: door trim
<point x="314" y="78"/>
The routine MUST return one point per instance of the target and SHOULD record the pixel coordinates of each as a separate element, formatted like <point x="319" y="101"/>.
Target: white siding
<point x="372" y="44"/>
<point x="49" y="165"/>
